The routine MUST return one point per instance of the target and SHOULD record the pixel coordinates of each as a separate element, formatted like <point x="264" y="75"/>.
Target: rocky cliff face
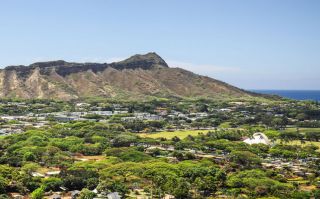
<point x="137" y="76"/>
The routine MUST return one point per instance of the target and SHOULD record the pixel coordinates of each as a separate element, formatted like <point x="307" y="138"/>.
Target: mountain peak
<point x="145" y="61"/>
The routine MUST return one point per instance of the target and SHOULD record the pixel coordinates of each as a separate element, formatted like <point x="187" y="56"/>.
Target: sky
<point x="252" y="44"/>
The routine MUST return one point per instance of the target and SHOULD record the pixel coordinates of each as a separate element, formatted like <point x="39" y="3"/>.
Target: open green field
<point x="298" y="142"/>
<point x="302" y="130"/>
<point x="170" y="134"/>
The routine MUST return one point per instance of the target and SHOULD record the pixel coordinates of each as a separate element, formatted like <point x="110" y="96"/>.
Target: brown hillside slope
<point x="138" y="76"/>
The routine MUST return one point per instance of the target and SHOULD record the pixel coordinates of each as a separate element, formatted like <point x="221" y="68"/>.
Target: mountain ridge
<point x="137" y="76"/>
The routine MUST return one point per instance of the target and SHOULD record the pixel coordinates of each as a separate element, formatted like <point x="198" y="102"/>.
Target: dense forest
<point x="134" y="157"/>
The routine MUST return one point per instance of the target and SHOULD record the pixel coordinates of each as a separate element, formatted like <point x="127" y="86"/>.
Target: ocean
<point x="294" y="94"/>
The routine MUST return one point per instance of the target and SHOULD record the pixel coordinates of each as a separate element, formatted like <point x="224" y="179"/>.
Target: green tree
<point x="181" y="189"/>
<point x="245" y="159"/>
<point x="114" y="186"/>
<point x="124" y="140"/>
<point x="38" y="193"/>
<point x="313" y="136"/>
<point x="3" y="185"/>
<point x="86" y="194"/>
<point x="52" y="183"/>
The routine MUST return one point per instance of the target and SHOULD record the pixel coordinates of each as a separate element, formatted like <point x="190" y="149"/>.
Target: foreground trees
<point x="245" y="159"/>
<point x="256" y="183"/>
<point x="107" y="158"/>
<point x="164" y="178"/>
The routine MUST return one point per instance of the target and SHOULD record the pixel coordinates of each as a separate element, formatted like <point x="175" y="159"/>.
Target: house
<point x="36" y="174"/>
<point x="161" y="111"/>
<point x="225" y="110"/>
<point x="16" y="195"/>
<point x="113" y="195"/>
<point x="52" y="173"/>
<point x="64" y="118"/>
<point x="167" y="196"/>
<point x="258" y="138"/>
<point x="55" y="196"/>
<point x="82" y="105"/>
<point x="318" y="184"/>
<point x="103" y="113"/>
<point x="75" y="194"/>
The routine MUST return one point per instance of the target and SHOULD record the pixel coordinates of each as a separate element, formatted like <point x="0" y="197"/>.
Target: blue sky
<point x="253" y="44"/>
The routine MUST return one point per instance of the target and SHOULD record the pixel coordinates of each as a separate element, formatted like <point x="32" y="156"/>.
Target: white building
<point x="258" y="138"/>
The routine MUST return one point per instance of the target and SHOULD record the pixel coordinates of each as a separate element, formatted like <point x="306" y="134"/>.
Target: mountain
<point x="136" y="77"/>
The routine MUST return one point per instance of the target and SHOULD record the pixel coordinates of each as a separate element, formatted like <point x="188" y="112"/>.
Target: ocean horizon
<point x="313" y="95"/>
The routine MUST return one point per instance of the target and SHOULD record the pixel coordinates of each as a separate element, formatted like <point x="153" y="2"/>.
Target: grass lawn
<point x="297" y="142"/>
<point x="138" y="194"/>
<point x="302" y="130"/>
<point x="308" y="188"/>
<point x="88" y="158"/>
<point x="43" y="170"/>
<point x="170" y="134"/>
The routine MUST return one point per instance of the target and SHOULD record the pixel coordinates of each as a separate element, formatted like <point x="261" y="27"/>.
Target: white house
<point x="258" y="138"/>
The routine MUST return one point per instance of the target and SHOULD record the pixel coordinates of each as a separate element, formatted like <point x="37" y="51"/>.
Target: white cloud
<point x="115" y="59"/>
<point x="203" y="68"/>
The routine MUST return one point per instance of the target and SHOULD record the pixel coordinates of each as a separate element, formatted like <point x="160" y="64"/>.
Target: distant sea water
<point x="294" y="94"/>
